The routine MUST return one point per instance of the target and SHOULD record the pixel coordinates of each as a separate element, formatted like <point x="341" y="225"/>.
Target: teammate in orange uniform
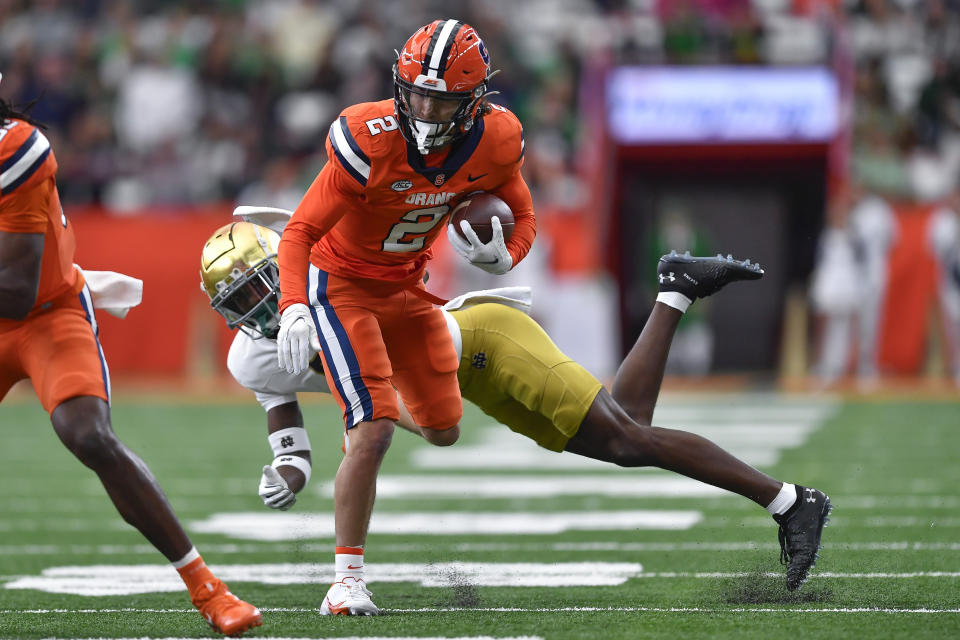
<point x="353" y="255"/>
<point x="48" y="333"/>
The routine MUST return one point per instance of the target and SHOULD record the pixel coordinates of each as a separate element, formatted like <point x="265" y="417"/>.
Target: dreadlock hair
<point x="8" y="111"/>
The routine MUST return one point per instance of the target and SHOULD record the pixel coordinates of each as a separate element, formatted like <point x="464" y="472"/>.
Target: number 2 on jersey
<point x="418" y="222"/>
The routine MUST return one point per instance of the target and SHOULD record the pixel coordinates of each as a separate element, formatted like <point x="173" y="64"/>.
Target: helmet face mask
<point x="248" y="301"/>
<point x="239" y="273"/>
<point x="446" y="62"/>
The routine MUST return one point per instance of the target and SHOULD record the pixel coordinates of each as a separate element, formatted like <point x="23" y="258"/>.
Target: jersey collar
<point x="458" y="156"/>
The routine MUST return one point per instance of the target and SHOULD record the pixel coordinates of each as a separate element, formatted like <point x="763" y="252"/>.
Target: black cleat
<point x="697" y="277"/>
<point x="799" y="534"/>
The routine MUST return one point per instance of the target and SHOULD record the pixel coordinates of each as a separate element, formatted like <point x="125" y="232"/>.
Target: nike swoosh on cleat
<point x="470" y="178"/>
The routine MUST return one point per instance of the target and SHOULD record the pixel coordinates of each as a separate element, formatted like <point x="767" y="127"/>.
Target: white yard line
<point x="347" y="637"/>
<point x="844" y="520"/>
<point x="261" y="525"/>
<point x="604" y="546"/>
<point x="103" y="580"/>
<point x="631" y="484"/>
<point x="887" y="610"/>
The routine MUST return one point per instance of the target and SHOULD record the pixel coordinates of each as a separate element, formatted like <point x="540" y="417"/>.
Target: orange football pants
<point x="376" y="336"/>
<point x="58" y="349"/>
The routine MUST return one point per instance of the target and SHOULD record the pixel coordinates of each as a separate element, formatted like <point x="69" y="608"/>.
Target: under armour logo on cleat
<point x="810" y="497"/>
<point x="663" y="278"/>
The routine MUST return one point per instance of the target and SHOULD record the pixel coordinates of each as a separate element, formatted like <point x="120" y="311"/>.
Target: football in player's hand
<point x="477" y="209"/>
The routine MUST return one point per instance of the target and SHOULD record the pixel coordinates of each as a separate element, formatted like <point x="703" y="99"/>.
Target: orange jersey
<point x="29" y="203"/>
<point x="376" y="207"/>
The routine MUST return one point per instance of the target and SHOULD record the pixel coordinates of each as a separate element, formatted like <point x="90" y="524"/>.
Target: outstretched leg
<point x="83" y="425"/>
<point x="615" y="428"/>
<point x="636" y="385"/>
<point x="683" y="279"/>
<point x="609" y="434"/>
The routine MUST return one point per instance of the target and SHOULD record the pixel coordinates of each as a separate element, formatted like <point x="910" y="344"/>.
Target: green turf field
<point x="493" y="538"/>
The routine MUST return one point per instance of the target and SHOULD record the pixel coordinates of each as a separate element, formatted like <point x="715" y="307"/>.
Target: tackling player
<point x="525" y="382"/>
<point x="48" y="333"/>
<point x="352" y="257"/>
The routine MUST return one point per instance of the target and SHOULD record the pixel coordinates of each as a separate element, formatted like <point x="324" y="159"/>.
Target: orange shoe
<point x="223" y="611"/>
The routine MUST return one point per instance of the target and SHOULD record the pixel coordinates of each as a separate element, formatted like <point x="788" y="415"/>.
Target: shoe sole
<point x="824" y="519"/>
<point x="258" y="621"/>
<point x="737" y="266"/>
<point x="346" y="611"/>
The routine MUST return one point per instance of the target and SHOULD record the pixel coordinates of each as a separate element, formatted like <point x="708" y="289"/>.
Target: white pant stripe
<point x="328" y="337"/>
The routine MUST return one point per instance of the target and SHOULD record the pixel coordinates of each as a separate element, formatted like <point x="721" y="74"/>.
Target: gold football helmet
<point x="238" y="270"/>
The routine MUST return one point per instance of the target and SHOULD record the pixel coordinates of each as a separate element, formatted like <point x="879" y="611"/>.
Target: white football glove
<point x="297" y="340"/>
<point x="492" y="257"/>
<point x="274" y="490"/>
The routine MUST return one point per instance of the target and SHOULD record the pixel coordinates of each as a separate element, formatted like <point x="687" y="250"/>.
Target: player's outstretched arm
<point x="291" y="467"/>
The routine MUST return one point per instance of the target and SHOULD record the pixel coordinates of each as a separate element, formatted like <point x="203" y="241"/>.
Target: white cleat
<point x="349" y="597"/>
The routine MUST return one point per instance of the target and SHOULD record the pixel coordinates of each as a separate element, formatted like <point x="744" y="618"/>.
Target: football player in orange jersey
<point x="48" y="333"/>
<point x="353" y="255"/>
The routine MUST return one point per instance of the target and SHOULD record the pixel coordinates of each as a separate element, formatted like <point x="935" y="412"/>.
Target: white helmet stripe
<point x="437" y="58"/>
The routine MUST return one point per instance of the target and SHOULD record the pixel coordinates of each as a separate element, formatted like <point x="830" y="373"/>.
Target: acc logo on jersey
<point x="401" y="185"/>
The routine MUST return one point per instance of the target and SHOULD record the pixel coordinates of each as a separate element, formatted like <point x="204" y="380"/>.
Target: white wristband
<point x="296" y="462"/>
<point x="675" y="299"/>
<point x="289" y="440"/>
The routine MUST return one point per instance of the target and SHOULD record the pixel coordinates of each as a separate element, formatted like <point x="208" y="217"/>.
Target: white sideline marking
<point x="515" y="610"/>
<point x="104" y="580"/>
<point x="679" y="610"/>
<point x="109" y="580"/>
<point x="845" y="520"/>
<point x="662" y="546"/>
<point x="297" y="526"/>
<point x="285" y="547"/>
<point x="331" y="637"/>
<point x="635" y="485"/>
<point x="823" y="574"/>
<point x="335" y="637"/>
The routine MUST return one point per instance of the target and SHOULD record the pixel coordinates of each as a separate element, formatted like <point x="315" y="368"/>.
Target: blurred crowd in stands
<point x="153" y="102"/>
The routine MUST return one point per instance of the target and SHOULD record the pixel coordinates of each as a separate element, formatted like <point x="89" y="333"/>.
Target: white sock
<point x="784" y="500"/>
<point x="675" y="299"/>
<point x="192" y="555"/>
<point x="348" y="563"/>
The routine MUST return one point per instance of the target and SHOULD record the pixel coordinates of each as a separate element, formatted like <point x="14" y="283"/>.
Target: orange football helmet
<point x="447" y="62"/>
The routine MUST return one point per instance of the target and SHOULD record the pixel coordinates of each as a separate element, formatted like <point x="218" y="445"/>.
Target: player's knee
<point x="633" y="447"/>
<point x="94" y="444"/>
<point x="371" y="439"/>
<point x="442" y="437"/>
<point x="83" y="425"/>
